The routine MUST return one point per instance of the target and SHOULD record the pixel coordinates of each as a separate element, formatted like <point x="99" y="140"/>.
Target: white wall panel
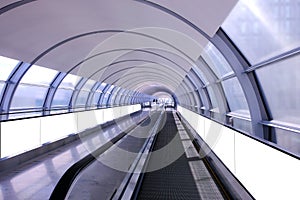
<point x="57" y="126"/>
<point x="22" y="135"/>
<point x="266" y="172"/>
<point x="19" y="136"/>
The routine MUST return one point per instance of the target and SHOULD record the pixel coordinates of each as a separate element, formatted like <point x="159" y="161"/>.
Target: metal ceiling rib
<point x="73" y="36"/>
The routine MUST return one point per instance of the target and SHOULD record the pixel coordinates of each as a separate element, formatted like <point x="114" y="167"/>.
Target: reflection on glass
<point x="1" y="88"/>
<point x="242" y="125"/>
<point x="29" y="97"/>
<point x="213" y="99"/>
<point x="89" y="85"/>
<point x="200" y="75"/>
<point x="39" y="75"/>
<point x="287" y="139"/>
<point x="117" y="100"/>
<point x="215" y="60"/>
<point x="96" y="98"/>
<point x="114" y="95"/>
<point x="110" y="89"/>
<point x="280" y="83"/>
<point x="101" y="87"/>
<point x="263" y="29"/>
<point x="235" y="96"/>
<point x="62" y="97"/>
<point x="6" y="66"/>
<point x="70" y="81"/>
<point x="82" y="98"/>
<point x="105" y="99"/>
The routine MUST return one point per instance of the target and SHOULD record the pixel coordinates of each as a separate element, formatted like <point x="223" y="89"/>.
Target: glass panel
<point x="114" y="95"/>
<point x="118" y="98"/>
<point x="101" y="87"/>
<point x="199" y="73"/>
<point x="212" y="97"/>
<point x="104" y="100"/>
<point x="1" y="88"/>
<point x="62" y="97"/>
<point x="29" y="97"/>
<point x="39" y="75"/>
<point x="263" y="29"/>
<point x="287" y="139"/>
<point x="70" y="81"/>
<point x="242" y="125"/>
<point x="235" y="95"/>
<point x="280" y="83"/>
<point x="88" y="85"/>
<point x="96" y="98"/>
<point x="110" y="89"/>
<point x="82" y="98"/>
<point x="215" y="60"/>
<point x="6" y="66"/>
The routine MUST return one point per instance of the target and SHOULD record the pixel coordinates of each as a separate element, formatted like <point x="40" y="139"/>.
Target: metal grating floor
<point x="174" y="181"/>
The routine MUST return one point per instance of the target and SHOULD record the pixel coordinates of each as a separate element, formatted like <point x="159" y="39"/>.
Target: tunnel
<point x="219" y="80"/>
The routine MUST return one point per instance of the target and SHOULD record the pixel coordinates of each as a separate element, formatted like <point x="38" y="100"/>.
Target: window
<point x="65" y="90"/>
<point x="82" y="98"/>
<point x="214" y="101"/>
<point x="199" y="73"/>
<point x="287" y="139"/>
<point x="84" y="93"/>
<point x="62" y="97"/>
<point x="243" y="125"/>
<point x="39" y="76"/>
<point x="32" y="89"/>
<point x="70" y="81"/>
<point x="29" y="97"/>
<point x="216" y="61"/>
<point x="280" y="83"/>
<point x="88" y="85"/>
<point x="276" y="28"/>
<point x="6" y="67"/>
<point x="97" y="94"/>
<point x="114" y="96"/>
<point x="235" y="95"/>
<point x="2" y="84"/>
<point x="104" y="100"/>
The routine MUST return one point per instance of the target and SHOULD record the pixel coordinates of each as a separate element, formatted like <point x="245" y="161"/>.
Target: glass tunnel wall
<point x="264" y="38"/>
<point x="74" y="93"/>
<point x="33" y="108"/>
<point x="257" y="94"/>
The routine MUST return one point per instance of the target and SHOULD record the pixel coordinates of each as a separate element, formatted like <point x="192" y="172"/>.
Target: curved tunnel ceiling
<point x="64" y="35"/>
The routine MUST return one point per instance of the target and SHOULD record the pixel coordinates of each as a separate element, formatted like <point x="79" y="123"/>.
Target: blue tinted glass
<point x="29" y="97"/>
<point x="62" y="97"/>
<point x="110" y="89"/>
<point x="82" y="98"/>
<point x="70" y="81"/>
<point x="235" y="96"/>
<point x="96" y="98"/>
<point x="89" y="85"/>
<point x="280" y="83"/>
<point x="101" y="87"/>
<point x="212" y="97"/>
<point x="199" y="73"/>
<point x="1" y="88"/>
